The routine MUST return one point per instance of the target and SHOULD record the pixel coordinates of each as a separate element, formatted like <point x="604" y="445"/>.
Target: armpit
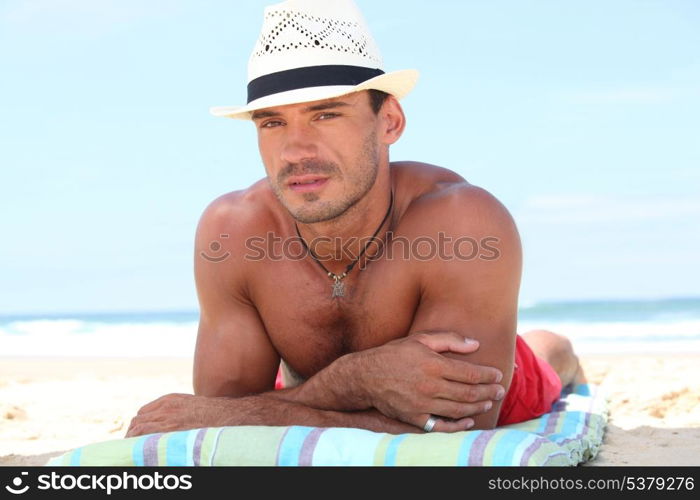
<point x="290" y="378"/>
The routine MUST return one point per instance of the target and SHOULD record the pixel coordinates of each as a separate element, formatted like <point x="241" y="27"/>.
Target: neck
<point x="339" y="241"/>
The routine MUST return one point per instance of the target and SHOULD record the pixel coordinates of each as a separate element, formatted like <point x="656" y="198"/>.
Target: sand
<point x="48" y="406"/>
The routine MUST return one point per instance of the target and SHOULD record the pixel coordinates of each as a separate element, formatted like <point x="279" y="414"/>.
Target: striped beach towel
<point x="570" y="434"/>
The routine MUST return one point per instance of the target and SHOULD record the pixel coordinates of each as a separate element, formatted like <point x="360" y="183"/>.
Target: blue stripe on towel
<point x="137" y="452"/>
<point x="191" y="437"/>
<point x="518" y="454"/>
<point x="343" y="446"/>
<point x="393" y="448"/>
<point x="503" y="445"/>
<point x="75" y="457"/>
<point x="466" y="447"/>
<point x="569" y="429"/>
<point x="291" y="444"/>
<point x="176" y="448"/>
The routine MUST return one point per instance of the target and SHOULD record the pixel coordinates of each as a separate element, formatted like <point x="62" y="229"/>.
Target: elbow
<point x="484" y="426"/>
<point x="232" y="387"/>
<point x="213" y="390"/>
<point x="487" y="421"/>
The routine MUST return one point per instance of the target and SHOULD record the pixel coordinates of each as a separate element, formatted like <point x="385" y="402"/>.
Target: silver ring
<point x="429" y="424"/>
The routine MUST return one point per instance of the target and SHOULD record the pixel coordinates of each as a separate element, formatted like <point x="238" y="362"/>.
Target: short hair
<point x="376" y="99"/>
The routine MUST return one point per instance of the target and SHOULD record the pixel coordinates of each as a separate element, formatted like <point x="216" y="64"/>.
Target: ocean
<point x="595" y="327"/>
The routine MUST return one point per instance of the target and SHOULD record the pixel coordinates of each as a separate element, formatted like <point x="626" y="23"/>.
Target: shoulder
<point x="463" y="241"/>
<point x="225" y="231"/>
<point x="418" y="178"/>
<point x="239" y="213"/>
<point x="442" y="200"/>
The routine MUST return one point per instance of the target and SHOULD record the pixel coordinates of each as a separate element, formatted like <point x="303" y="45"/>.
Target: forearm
<point x="273" y="406"/>
<point x="271" y="410"/>
<point x="268" y="409"/>
<point x="183" y="411"/>
<point x="339" y="387"/>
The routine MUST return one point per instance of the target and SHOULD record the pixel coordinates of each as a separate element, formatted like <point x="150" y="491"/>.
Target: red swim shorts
<point x="533" y="390"/>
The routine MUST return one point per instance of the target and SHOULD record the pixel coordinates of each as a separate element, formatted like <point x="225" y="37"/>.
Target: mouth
<point x="306" y="183"/>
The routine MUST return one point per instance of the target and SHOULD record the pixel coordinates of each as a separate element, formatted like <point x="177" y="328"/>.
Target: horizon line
<point x="522" y="305"/>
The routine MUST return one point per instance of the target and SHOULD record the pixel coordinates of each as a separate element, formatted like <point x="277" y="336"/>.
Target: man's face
<point x="321" y="157"/>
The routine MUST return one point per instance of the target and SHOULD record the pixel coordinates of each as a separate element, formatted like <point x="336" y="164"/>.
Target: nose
<point x="300" y="143"/>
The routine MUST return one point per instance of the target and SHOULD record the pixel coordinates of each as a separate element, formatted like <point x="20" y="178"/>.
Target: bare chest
<point x="310" y="328"/>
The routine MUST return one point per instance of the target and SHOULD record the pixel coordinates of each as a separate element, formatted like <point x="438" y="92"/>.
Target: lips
<point x="304" y="183"/>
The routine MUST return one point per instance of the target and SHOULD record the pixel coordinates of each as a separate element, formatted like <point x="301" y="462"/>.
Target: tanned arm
<point x="474" y="290"/>
<point x="235" y="362"/>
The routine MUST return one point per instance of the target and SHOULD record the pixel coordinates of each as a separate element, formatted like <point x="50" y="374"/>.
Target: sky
<point x="582" y="118"/>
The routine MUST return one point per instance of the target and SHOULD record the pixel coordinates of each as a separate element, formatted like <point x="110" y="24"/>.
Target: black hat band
<point x="310" y="76"/>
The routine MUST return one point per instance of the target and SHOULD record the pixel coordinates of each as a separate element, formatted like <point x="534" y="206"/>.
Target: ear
<point x="392" y="121"/>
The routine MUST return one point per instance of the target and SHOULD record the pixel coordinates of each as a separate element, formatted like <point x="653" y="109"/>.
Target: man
<point x="373" y="335"/>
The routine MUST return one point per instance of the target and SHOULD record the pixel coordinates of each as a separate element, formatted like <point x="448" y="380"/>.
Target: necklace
<point x="338" y="287"/>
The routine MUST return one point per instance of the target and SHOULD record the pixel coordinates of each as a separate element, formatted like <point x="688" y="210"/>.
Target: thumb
<point x="448" y="342"/>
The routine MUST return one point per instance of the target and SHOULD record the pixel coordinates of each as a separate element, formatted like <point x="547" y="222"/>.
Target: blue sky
<point x="581" y="117"/>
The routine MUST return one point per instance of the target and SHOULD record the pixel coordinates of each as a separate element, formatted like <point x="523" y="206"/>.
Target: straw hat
<point x="310" y="50"/>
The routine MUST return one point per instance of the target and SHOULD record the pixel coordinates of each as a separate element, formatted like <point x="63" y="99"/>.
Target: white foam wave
<point x="44" y="327"/>
<point x="637" y="347"/>
<point x="617" y="330"/>
<point x="74" y="337"/>
<point x="77" y="338"/>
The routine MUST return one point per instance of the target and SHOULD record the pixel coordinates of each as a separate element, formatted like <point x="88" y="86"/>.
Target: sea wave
<point x="613" y="310"/>
<point x="174" y="334"/>
<point x="73" y="337"/>
<point x="616" y="330"/>
<point x="620" y="337"/>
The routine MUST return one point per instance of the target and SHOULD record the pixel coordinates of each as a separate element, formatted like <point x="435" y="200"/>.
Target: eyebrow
<point x="258" y="115"/>
<point x="326" y="105"/>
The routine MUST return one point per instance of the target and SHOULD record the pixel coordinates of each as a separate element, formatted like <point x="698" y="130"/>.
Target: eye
<point x="271" y="124"/>
<point x="327" y="116"/>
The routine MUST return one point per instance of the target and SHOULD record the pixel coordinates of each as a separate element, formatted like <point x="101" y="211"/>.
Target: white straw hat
<point x="310" y="50"/>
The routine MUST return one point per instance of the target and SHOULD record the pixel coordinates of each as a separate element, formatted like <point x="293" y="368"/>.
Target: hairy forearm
<point x="269" y="408"/>
<point x="184" y="411"/>
<point x="339" y="387"/>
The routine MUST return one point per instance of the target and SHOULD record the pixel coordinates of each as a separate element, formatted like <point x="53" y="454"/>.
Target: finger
<point x="447" y="425"/>
<point x="460" y="425"/>
<point x="453" y="410"/>
<point x="136" y="427"/>
<point x="469" y="393"/>
<point x="447" y="341"/>
<point x="153" y="405"/>
<point x="141" y="424"/>
<point x="132" y="431"/>
<point x="163" y="400"/>
<point x="144" y="428"/>
<point x="460" y="370"/>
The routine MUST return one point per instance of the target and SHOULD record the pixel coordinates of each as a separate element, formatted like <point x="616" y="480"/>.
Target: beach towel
<point x="569" y="435"/>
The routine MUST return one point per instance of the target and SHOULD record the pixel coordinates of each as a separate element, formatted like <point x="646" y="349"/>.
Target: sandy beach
<point x="51" y="405"/>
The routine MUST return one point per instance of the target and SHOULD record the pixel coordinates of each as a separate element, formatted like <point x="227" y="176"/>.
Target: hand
<point x="409" y="380"/>
<point x="175" y="412"/>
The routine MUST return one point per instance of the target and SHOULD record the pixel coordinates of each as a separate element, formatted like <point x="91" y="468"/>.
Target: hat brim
<point x="396" y="83"/>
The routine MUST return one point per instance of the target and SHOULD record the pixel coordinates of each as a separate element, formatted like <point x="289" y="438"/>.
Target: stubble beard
<point x="360" y="180"/>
